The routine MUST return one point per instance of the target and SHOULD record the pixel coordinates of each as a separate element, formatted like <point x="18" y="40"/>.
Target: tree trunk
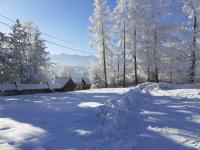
<point x="124" y="81"/>
<point x="135" y="57"/>
<point x="170" y="77"/>
<point x="118" y="70"/>
<point x="155" y="57"/>
<point x="193" y="56"/>
<point x="148" y="66"/>
<point x="104" y="59"/>
<point x="148" y="74"/>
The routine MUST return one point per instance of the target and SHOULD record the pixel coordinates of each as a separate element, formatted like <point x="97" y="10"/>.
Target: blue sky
<point x="66" y="19"/>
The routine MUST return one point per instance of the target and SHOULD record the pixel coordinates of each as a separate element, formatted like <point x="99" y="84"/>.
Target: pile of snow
<point x="116" y="120"/>
<point x="118" y="116"/>
<point x="109" y="90"/>
<point x="177" y="91"/>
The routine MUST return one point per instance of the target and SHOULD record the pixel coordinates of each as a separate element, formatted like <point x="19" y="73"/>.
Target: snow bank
<point x="177" y="91"/>
<point x="116" y="120"/>
<point x="117" y="116"/>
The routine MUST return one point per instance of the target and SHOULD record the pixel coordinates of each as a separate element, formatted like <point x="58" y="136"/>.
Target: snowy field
<point x="56" y="121"/>
<point x="148" y="117"/>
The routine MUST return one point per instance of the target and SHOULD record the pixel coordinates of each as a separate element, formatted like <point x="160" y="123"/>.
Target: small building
<point x="8" y="89"/>
<point x="32" y="88"/>
<point x="82" y="83"/>
<point x="86" y="84"/>
<point x="79" y="84"/>
<point x="63" y="84"/>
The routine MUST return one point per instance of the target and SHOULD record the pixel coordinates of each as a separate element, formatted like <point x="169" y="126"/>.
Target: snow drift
<point x="116" y="117"/>
<point x="120" y="116"/>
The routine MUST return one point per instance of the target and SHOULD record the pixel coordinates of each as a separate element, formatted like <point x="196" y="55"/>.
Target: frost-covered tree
<point x="100" y="30"/>
<point x="18" y="47"/>
<point x="136" y="26"/>
<point x="156" y="12"/>
<point x="37" y="56"/>
<point x="159" y="43"/>
<point x="120" y="24"/>
<point x="190" y="29"/>
<point x="39" y="60"/>
<point x="95" y="75"/>
<point x="67" y="72"/>
<point x="6" y="63"/>
<point x="28" y="58"/>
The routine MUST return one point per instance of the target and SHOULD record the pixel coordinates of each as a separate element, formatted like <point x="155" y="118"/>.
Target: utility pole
<point x="135" y="56"/>
<point x="124" y="81"/>
<point x="104" y="58"/>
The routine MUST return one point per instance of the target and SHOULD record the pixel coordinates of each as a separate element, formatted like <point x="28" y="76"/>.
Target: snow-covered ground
<point x="56" y="121"/>
<point x="154" y="117"/>
<point x="148" y="117"/>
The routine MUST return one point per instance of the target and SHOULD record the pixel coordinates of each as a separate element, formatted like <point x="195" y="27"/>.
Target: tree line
<point x="145" y="40"/>
<point x="23" y="55"/>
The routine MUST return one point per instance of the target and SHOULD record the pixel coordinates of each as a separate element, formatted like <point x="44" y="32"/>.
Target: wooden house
<point x="32" y="88"/>
<point x="82" y="83"/>
<point x="63" y="84"/>
<point x="8" y="89"/>
<point x="79" y="84"/>
<point x="86" y="83"/>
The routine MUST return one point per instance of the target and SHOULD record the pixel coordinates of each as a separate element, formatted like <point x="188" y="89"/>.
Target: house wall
<point x="79" y="87"/>
<point x="86" y="86"/>
<point x="70" y="86"/>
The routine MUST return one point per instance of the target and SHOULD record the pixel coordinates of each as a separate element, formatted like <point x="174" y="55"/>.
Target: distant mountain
<point x="72" y="60"/>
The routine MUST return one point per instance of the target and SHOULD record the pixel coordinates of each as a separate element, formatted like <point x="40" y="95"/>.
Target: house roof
<point x="7" y="87"/>
<point x="32" y="86"/>
<point x="19" y="86"/>
<point x="87" y="81"/>
<point x="77" y="80"/>
<point x="60" y="82"/>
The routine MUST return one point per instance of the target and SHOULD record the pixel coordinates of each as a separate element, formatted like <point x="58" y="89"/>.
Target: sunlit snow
<point x="142" y="118"/>
<point x="90" y="104"/>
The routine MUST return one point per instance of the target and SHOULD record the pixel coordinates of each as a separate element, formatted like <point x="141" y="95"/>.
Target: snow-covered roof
<point x="77" y="80"/>
<point x="19" y="86"/>
<point x="7" y="87"/>
<point x="87" y="81"/>
<point x="60" y="82"/>
<point x="32" y="86"/>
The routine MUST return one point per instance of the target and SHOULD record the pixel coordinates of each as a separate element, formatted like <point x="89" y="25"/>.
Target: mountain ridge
<point x="72" y="60"/>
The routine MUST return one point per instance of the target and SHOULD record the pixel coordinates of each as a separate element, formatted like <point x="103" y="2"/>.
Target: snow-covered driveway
<point x="56" y="121"/>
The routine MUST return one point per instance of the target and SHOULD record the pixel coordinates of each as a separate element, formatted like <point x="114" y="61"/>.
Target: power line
<point x="5" y="24"/>
<point x="53" y="43"/>
<point x="56" y="38"/>
<point x="69" y="47"/>
<point x="49" y="35"/>
<point x="9" y="19"/>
